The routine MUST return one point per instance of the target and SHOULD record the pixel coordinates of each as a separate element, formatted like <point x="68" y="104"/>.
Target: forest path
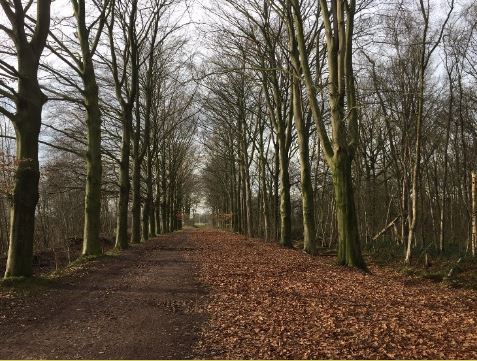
<point x="213" y="294"/>
<point x="142" y="304"/>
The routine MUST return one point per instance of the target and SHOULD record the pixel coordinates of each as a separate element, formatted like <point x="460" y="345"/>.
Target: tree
<point x="126" y="81"/>
<point x="339" y="151"/>
<point x="29" y="100"/>
<point x="428" y="46"/>
<point x="92" y="216"/>
<point x="303" y="131"/>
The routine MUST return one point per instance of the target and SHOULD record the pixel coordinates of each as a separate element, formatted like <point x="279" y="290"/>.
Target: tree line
<point x="343" y="123"/>
<point x="103" y="113"/>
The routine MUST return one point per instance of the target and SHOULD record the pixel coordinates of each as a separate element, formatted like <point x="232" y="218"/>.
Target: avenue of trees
<point x="98" y="124"/>
<point x="344" y="124"/>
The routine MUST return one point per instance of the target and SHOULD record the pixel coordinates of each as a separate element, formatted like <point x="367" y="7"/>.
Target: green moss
<point x="24" y="286"/>
<point x="80" y="263"/>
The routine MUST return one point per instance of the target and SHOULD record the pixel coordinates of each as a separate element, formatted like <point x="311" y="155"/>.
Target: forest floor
<point x="213" y="294"/>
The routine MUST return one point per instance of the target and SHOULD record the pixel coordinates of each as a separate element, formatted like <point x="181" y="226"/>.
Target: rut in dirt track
<point x="142" y="304"/>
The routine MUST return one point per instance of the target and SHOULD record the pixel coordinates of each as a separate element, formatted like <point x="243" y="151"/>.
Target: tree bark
<point x="25" y="192"/>
<point x="124" y="184"/>
<point x="285" y="204"/>
<point x="309" y="230"/>
<point x="309" y="238"/>
<point x="474" y="214"/>
<point x="136" y="181"/>
<point x="92" y="219"/>
<point x="263" y="182"/>
<point x="29" y="101"/>
<point x="147" y="225"/>
<point x="339" y="25"/>
<point x="349" y="250"/>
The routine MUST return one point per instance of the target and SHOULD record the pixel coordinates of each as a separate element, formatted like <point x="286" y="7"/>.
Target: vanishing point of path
<point x="213" y="294"/>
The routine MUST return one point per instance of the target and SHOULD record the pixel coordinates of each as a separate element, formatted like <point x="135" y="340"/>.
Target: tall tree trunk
<point x="25" y="192"/>
<point x="245" y="175"/>
<point x="446" y="167"/>
<point x="27" y="122"/>
<point x="148" y="209"/>
<point x="309" y="238"/>
<point x="285" y="204"/>
<point x="92" y="216"/>
<point x="426" y="50"/>
<point x="136" y="182"/>
<point x="171" y="203"/>
<point x="263" y="182"/>
<point x="474" y="214"/>
<point x="309" y="230"/>
<point x="416" y="169"/>
<point x="164" y="191"/>
<point x="157" y="203"/>
<point x="339" y="26"/>
<point x="152" y="221"/>
<point x="124" y="185"/>
<point x="349" y="250"/>
<point x="276" y="193"/>
<point x="127" y="106"/>
<point x="239" y="200"/>
<point x="248" y="201"/>
<point x="92" y="209"/>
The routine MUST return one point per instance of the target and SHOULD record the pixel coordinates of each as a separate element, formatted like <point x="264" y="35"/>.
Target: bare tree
<point x="29" y="100"/>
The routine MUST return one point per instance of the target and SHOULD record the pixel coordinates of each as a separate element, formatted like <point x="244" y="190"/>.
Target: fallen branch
<point x="380" y="233"/>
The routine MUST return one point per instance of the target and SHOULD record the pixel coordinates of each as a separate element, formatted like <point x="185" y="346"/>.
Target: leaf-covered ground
<point x="268" y="302"/>
<point x="211" y="294"/>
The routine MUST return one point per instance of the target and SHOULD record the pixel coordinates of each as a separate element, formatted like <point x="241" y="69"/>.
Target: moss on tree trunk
<point x="349" y="250"/>
<point x="25" y="193"/>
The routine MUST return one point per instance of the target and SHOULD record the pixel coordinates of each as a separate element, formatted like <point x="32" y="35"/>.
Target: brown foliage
<point x="268" y="302"/>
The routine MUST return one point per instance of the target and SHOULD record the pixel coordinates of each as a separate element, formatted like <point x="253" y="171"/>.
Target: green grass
<point x="25" y="286"/>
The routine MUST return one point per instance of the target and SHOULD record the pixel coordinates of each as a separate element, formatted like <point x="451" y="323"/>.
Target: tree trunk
<point x="263" y="182"/>
<point x="339" y="25"/>
<point x="349" y="250"/>
<point x="309" y="238"/>
<point x="152" y="221"/>
<point x="285" y="205"/>
<point x="157" y="203"/>
<point x="27" y="122"/>
<point x="276" y="193"/>
<point x="136" y="184"/>
<point x="416" y="170"/>
<point x="92" y="210"/>
<point x="25" y="193"/>
<point x="474" y="214"/>
<point x="92" y="216"/>
<point x="147" y="225"/>
<point x="122" y="219"/>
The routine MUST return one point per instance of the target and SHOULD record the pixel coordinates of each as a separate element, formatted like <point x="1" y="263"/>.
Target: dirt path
<point x="211" y="294"/>
<point x="143" y="304"/>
